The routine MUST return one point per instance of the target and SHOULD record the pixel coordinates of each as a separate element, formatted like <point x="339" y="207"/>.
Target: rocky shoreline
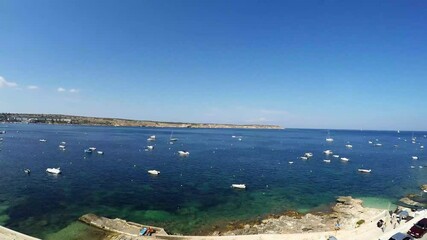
<point x="348" y="212"/>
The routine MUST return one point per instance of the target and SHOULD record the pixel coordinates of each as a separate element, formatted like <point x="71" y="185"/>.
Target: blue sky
<point x="306" y="64"/>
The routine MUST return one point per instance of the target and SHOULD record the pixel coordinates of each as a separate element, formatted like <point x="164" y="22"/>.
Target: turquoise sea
<point x="192" y="194"/>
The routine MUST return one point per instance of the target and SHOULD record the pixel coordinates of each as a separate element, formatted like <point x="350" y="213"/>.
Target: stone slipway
<point x="9" y="234"/>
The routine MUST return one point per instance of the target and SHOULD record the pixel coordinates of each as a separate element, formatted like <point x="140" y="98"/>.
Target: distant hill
<point x="80" y="120"/>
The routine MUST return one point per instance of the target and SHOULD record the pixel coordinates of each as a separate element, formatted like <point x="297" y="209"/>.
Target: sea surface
<point x="192" y="195"/>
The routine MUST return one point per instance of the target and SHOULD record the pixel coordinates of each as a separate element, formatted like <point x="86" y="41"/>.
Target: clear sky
<point x="305" y="64"/>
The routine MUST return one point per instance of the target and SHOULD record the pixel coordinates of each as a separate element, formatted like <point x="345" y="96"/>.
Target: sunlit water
<point x="192" y="195"/>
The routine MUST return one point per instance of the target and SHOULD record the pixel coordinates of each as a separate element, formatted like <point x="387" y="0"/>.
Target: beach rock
<point x="424" y="187"/>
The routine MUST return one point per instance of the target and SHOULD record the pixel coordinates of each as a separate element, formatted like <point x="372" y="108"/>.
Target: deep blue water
<point x="193" y="194"/>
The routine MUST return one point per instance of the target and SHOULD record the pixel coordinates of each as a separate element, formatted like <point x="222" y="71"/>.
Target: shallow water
<point x="193" y="194"/>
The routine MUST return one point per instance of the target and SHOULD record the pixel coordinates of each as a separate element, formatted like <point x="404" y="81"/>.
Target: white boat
<point x="304" y="158"/>
<point x="308" y="154"/>
<point x="327" y="161"/>
<point x="149" y="147"/>
<point x="62" y="146"/>
<point x="378" y="144"/>
<point x="1" y="139"/>
<point x="183" y="153"/>
<point x="345" y="159"/>
<point x="63" y="143"/>
<point x="93" y="149"/>
<point x="172" y="139"/>
<point x="151" y="138"/>
<point x="241" y="186"/>
<point x="412" y="166"/>
<point x="88" y="151"/>
<point x="336" y="156"/>
<point x="291" y="162"/>
<point x="364" y="170"/>
<point x="327" y="152"/>
<point x="2" y="132"/>
<point x="42" y="140"/>
<point x="100" y="152"/>
<point x="370" y="142"/>
<point x="349" y="146"/>
<point x="153" y="172"/>
<point x="422" y="147"/>
<point x="414" y="157"/>
<point x="27" y="171"/>
<point x="53" y="170"/>
<point x="329" y="139"/>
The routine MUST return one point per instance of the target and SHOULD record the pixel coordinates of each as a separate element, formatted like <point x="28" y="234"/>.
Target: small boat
<point x="93" y="149"/>
<point x="42" y="140"/>
<point x="62" y="146"/>
<point x="378" y="144"/>
<point x="27" y="171"/>
<point x="349" y="146"/>
<point x="149" y="147"/>
<point x="336" y="156"/>
<point x="2" y="132"/>
<point x="329" y="139"/>
<point x="422" y="147"/>
<point x="183" y="153"/>
<point x="304" y="158"/>
<point x="173" y="139"/>
<point x="88" y="151"/>
<point x="412" y="166"/>
<point x="153" y="172"/>
<point x="345" y="159"/>
<point x="53" y="170"/>
<point x="63" y="143"/>
<point x="327" y="161"/>
<point x="414" y="157"/>
<point x="370" y="142"/>
<point x="100" y="152"/>
<point x="240" y="186"/>
<point x="152" y="138"/>
<point x="291" y="162"/>
<point x="364" y="170"/>
<point x="1" y="139"/>
<point x="327" y="152"/>
<point x="308" y="154"/>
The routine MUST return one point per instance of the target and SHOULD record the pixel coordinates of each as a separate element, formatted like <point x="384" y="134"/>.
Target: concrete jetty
<point x="9" y="234"/>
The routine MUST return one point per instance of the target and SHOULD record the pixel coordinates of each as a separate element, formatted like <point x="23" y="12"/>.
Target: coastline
<point x="118" y="122"/>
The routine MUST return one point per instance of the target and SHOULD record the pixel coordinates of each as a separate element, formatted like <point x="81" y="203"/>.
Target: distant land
<point x="117" y="122"/>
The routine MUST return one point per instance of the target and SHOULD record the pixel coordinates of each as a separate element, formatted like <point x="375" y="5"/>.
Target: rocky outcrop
<point x="348" y="212"/>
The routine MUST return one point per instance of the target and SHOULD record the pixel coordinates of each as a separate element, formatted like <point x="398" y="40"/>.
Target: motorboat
<point x="63" y="143"/>
<point x="153" y="172"/>
<point x="414" y="157"/>
<point x="304" y="158"/>
<point x="291" y="162"/>
<point x="93" y="149"/>
<point x="349" y="146"/>
<point x="345" y="159"/>
<point x="370" y="142"/>
<point x="100" y="152"/>
<point x="364" y="170"/>
<point x="2" y="132"/>
<point x="152" y="138"/>
<point x="327" y="152"/>
<point x="27" y="171"/>
<point x="42" y="140"/>
<point x="240" y="186"/>
<point x="336" y="156"/>
<point x="53" y="170"/>
<point x="329" y="139"/>
<point x="378" y="144"/>
<point x="149" y="147"/>
<point x="62" y="146"/>
<point x="422" y="147"/>
<point x="327" y="161"/>
<point x="308" y="154"/>
<point x="183" y="153"/>
<point x="88" y="151"/>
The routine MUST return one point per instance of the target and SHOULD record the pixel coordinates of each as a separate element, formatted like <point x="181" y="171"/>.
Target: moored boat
<point x="54" y="170"/>
<point x="240" y="186"/>
<point x="364" y="170"/>
<point x="327" y="161"/>
<point x="349" y="146"/>
<point x="183" y="153"/>
<point x="345" y="159"/>
<point x="327" y="152"/>
<point x="153" y="172"/>
<point x="42" y="140"/>
<point x="414" y="157"/>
